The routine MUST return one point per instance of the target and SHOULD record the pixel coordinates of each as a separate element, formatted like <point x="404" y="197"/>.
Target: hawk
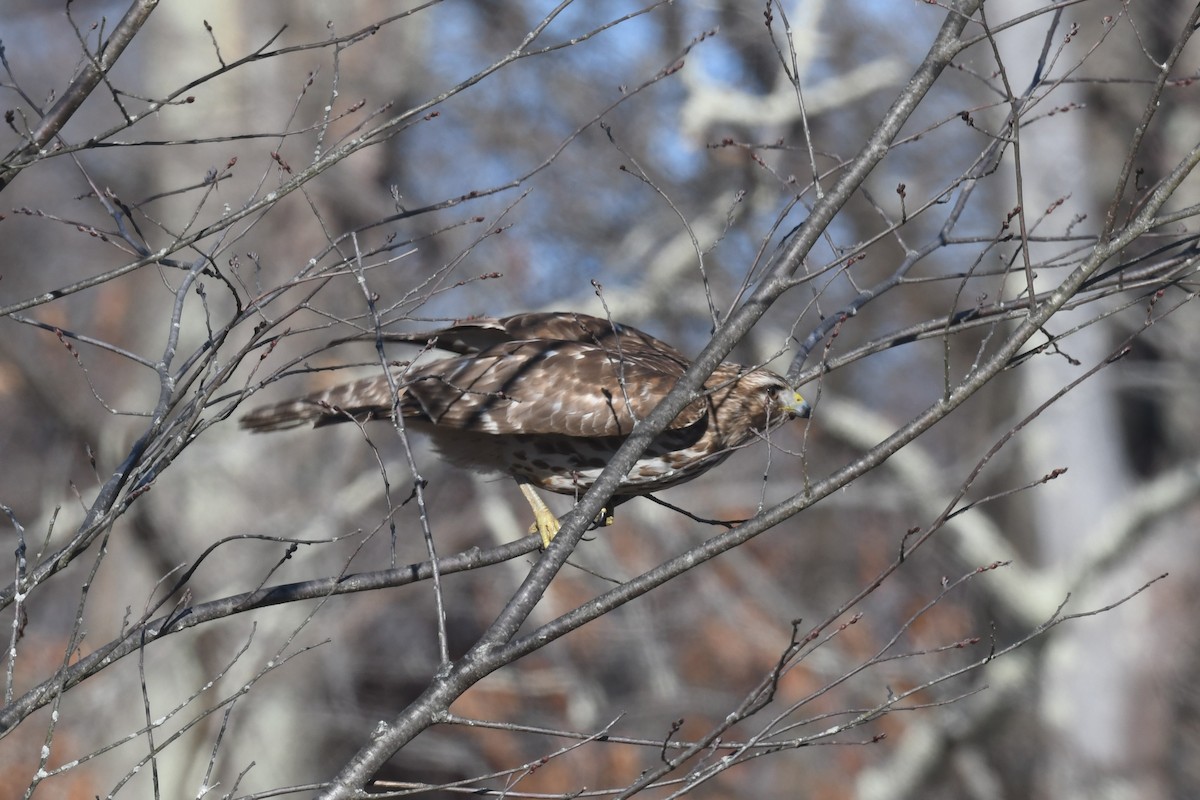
<point x="548" y="398"/>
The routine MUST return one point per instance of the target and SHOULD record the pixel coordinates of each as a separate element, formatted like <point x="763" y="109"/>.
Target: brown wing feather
<point x="559" y="387"/>
<point x="483" y="333"/>
<point x="464" y="338"/>
<point x="568" y="326"/>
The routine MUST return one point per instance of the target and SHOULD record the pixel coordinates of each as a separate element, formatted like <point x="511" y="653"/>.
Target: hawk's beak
<point x="794" y="405"/>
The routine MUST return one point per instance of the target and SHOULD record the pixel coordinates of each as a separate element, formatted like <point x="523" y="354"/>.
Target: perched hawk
<point x="548" y="398"/>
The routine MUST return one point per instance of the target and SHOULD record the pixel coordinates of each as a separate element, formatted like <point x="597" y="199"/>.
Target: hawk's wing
<point x="559" y="387"/>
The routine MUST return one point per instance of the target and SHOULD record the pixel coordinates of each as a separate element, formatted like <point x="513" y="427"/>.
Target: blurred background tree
<point x="248" y="183"/>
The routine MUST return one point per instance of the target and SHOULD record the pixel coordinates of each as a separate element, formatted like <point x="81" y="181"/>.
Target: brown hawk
<point x="548" y="398"/>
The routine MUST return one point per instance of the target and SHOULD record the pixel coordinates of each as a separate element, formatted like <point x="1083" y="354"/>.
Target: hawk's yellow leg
<point x="544" y="521"/>
<point x="546" y="524"/>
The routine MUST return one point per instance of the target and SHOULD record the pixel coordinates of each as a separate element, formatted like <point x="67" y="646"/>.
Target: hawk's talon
<point x="546" y="526"/>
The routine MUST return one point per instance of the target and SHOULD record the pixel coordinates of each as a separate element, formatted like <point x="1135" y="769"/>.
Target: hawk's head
<point x="753" y="401"/>
<point x="783" y="401"/>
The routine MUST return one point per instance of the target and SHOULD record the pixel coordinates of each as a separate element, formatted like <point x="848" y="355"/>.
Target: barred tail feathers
<point x="369" y="398"/>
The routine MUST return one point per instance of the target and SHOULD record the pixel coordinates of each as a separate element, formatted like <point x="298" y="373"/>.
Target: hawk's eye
<point x="773" y="389"/>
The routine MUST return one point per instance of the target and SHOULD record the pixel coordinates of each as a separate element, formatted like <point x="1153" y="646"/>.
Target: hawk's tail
<point x="370" y="398"/>
<point x="282" y="416"/>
